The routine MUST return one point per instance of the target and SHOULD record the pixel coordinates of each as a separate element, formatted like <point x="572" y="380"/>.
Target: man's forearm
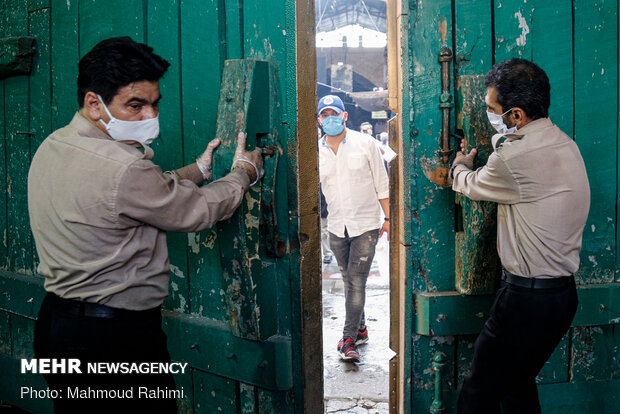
<point x="385" y="205"/>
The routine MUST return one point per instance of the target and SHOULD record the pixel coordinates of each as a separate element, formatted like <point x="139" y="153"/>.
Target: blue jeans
<point x="354" y="256"/>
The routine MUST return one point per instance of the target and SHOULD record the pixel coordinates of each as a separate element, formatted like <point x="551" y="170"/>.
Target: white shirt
<point x="353" y="181"/>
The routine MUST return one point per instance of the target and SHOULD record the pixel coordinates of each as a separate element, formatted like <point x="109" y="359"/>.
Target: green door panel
<point x="452" y="269"/>
<point x="234" y="309"/>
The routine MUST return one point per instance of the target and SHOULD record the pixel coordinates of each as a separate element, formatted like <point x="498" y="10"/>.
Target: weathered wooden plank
<point x="425" y="350"/>
<point x="3" y="176"/>
<point x="432" y="210"/>
<point x="36" y="5"/>
<point x="40" y="83"/>
<point x="552" y="50"/>
<point x="11" y="382"/>
<point x="594" y="349"/>
<point x="270" y="402"/>
<point x="247" y="399"/>
<point x="512" y="24"/>
<point x="464" y="356"/>
<point x="168" y="147"/>
<point x="16" y="55"/>
<point x="40" y="93"/>
<point x="121" y="18"/>
<point x="473" y="30"/>
<point x="477" y="262"/>
<point x="64" y="60"/>
<point x="448" y="313"/>
<point x="213" y="394"/>
<point x="5" y="334"/>
<point x="18" y="137"/>
<point x="22" y="337"/>
<point x="234" y="29"/>
<point x="245" y="106"/>
<point x="209" y="345"/>
<point x="201" y="47"/>
<point x="596" y="75"/>
<point x="184" y="382"/>
<point x="21" y="294"/>
<point x="600" y="397"/>
<point x="408" y="132"/>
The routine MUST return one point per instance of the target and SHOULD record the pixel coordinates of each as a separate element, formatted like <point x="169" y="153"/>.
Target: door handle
<point x="437" y="170"/>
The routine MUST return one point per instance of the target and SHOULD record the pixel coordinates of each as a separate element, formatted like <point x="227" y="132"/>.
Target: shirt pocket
<point x="356" y="161"/>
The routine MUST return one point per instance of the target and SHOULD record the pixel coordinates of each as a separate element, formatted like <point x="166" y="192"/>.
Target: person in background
<point x="366" y="128"/>
<point x="355" y="186"/>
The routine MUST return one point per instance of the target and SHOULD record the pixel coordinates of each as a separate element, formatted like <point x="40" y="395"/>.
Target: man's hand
<point x="205" y="162"/>
<point x="463" y="158"/>
<point x="385" y="229"/>
<point x="246" y="160"/>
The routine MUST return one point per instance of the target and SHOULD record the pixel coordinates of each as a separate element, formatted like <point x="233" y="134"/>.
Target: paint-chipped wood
<point x="594" y="353"/>
<point x="596" y="132"/>
<point x="16" y="55"/>
<point x="244" y="97"/>
<point x="196" y="37"/>
<point x="477" y="262"/>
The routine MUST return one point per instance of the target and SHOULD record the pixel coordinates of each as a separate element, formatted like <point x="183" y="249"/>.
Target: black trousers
<point x="523" y="329"/>
<point x="63" y="332"/>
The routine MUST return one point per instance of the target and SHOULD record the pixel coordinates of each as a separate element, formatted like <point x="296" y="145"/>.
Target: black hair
<point x="521" y="83"/>
<point x="117" y="62"/>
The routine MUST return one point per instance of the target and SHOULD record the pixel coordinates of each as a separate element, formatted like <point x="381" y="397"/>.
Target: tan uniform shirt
<point x="99" y="211"/>
<point x="539" y="179"/>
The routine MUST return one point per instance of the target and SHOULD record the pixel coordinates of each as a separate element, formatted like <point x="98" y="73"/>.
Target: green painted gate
<point x="446" y="244"/>
<point x="235" y="307"/>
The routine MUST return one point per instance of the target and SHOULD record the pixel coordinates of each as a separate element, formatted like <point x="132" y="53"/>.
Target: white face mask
<point x="498" y="123"/>
<point x="144" y="131"/>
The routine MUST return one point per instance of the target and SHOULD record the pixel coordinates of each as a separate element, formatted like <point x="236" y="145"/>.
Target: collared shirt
<point x="538" y="178"/>
<point x="353" y="181"/>
<point x="99" y="211"/>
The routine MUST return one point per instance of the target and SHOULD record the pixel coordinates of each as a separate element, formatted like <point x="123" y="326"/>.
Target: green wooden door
<point x="576" y="43"/>
<point x="234" y="311"/>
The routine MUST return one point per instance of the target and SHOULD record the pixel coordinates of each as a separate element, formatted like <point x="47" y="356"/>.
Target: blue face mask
<point x="333" y="125"/>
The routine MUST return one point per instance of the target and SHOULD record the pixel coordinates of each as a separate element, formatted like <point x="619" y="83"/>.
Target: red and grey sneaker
<point x="362" y="336"/>
<point x="347" y="351"/>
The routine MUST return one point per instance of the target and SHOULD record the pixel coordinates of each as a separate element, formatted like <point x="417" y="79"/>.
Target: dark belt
<point x="536" y="283"/>
<point x="96" y="310"/>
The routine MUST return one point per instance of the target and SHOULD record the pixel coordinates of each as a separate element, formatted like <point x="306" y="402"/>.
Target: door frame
<point x="308" y="204"/>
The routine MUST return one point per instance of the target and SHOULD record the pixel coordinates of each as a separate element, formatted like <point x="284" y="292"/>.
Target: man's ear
<point x="519" y="117"/>
<point x="92" y="106"/>
<point x="319" y="121"/>
<point x="345" y="116"/>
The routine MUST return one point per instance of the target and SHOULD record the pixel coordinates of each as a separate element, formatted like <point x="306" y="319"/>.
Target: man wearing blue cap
<point x="355" y="185"/>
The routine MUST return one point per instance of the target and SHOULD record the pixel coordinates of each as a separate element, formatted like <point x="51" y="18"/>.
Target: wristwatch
<point x="451" y="175"/>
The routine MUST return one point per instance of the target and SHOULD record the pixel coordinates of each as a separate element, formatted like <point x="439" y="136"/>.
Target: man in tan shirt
<point x="538" y="178"/>
<point x="99" y="210"/>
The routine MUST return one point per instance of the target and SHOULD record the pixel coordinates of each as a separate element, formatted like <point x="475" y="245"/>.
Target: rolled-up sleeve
<point x="168" y="202"/>
<point x="493" y="182"/>
<point x="379" y="175"/>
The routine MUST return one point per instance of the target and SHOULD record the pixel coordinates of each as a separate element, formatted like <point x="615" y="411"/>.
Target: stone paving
<point x="358" y="388"/>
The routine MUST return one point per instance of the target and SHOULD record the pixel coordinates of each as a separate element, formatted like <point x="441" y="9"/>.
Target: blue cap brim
<point x="335" y="108"/>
